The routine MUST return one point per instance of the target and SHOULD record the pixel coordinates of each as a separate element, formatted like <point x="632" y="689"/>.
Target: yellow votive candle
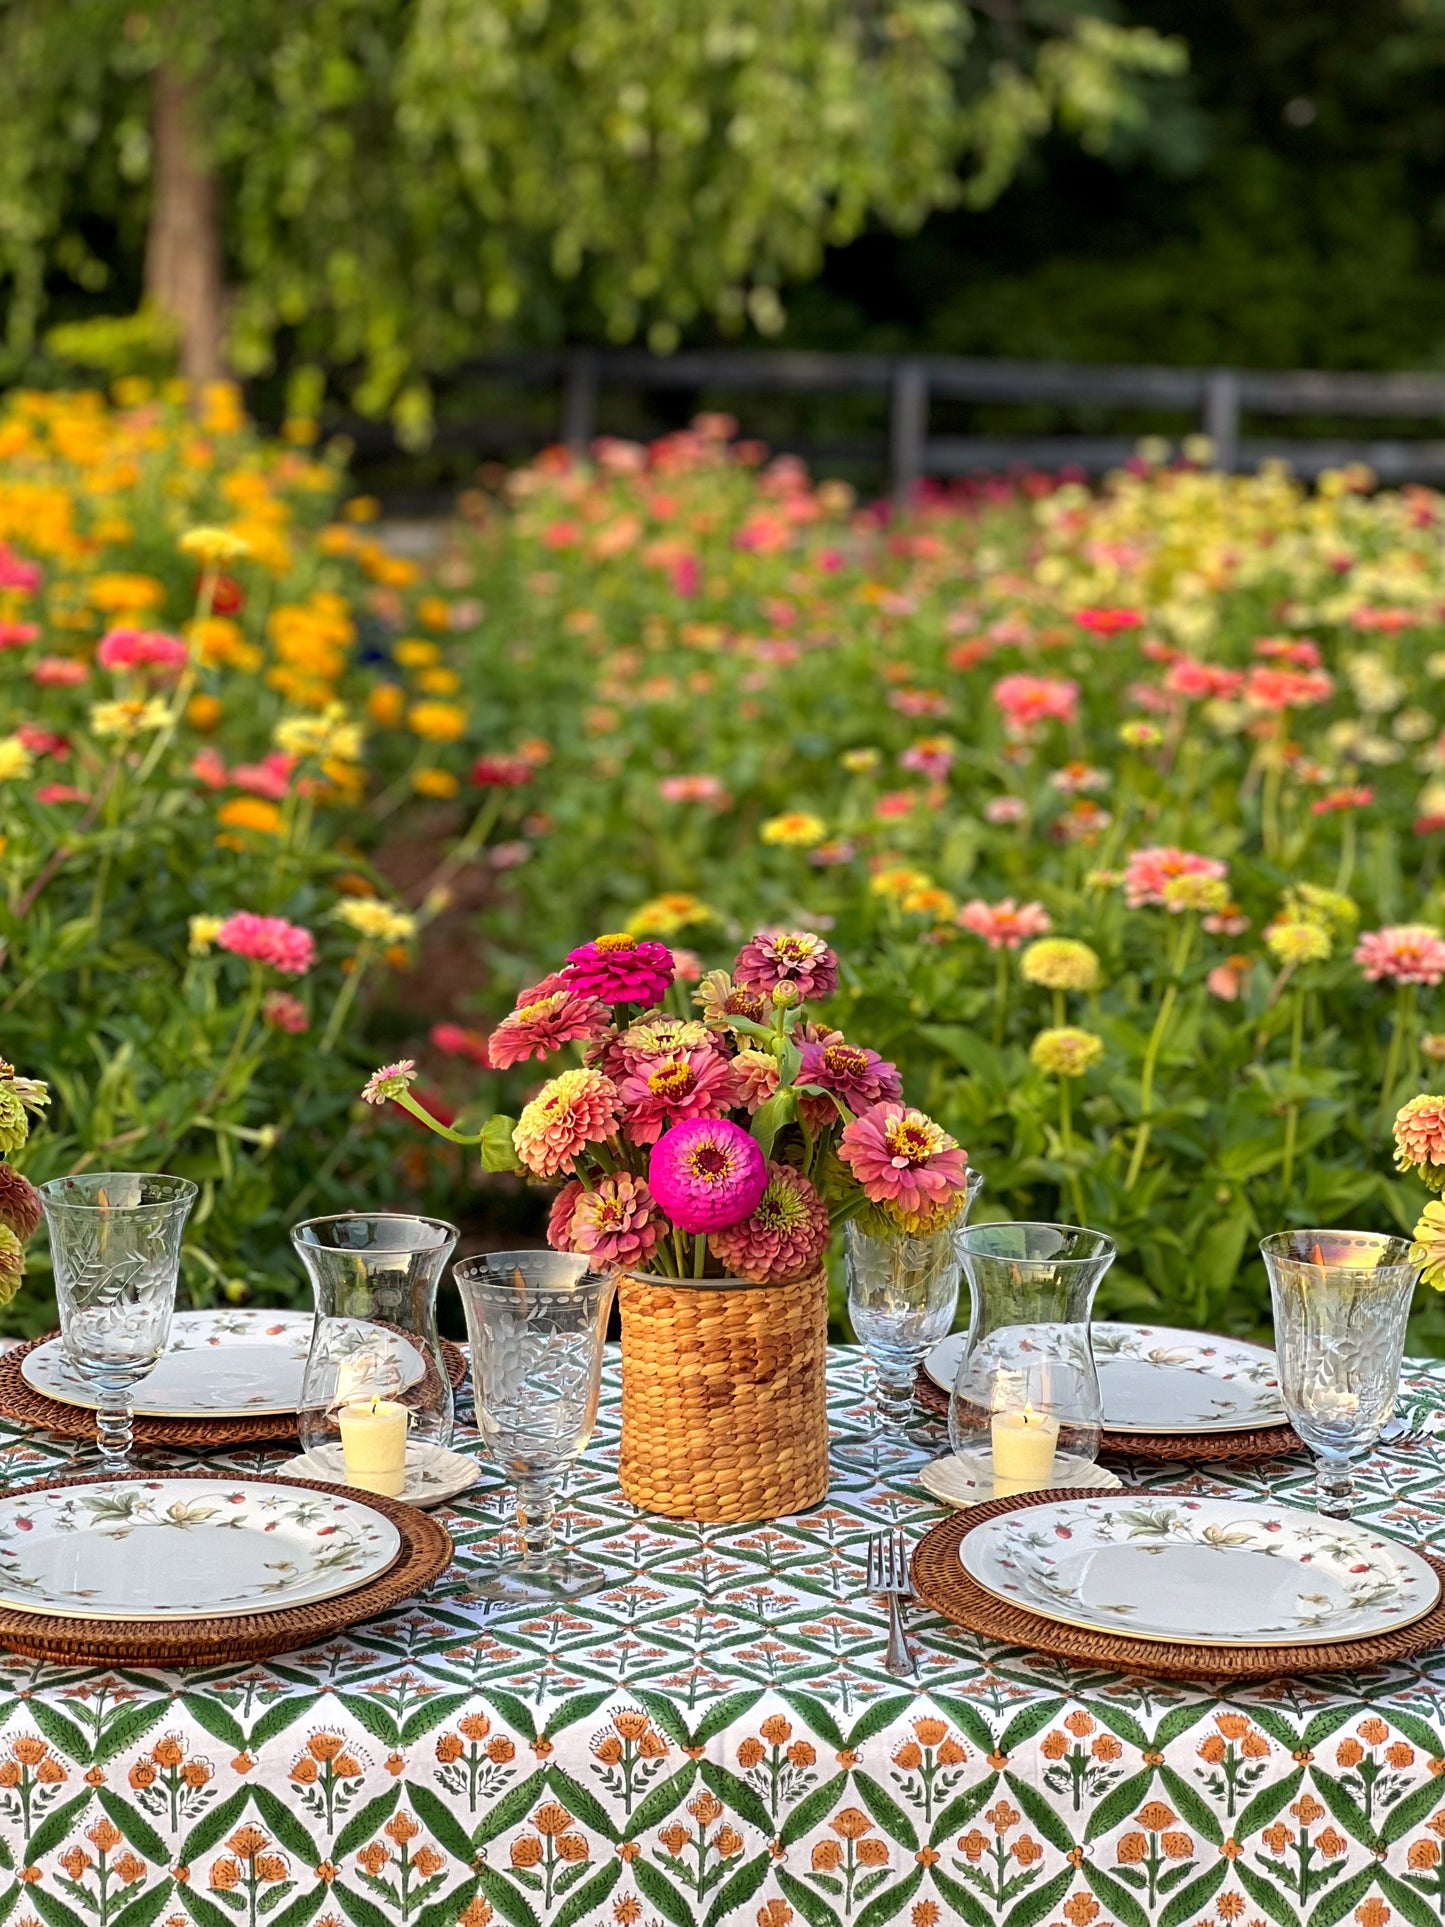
<point x="373" y="1443"/>
<point x="1024" y="1444"/>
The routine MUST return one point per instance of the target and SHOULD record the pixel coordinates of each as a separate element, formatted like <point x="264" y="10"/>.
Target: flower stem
<point x="1152" y="1049"/>
<point x="1291" y="1116"/>
<point x="1000" y="995"/>
<point x="345" y="998"/>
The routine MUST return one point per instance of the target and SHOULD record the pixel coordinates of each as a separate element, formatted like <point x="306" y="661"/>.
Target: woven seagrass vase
<point x="724" y="1403"/>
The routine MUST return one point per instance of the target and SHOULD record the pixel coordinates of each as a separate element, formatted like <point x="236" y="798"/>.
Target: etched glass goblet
<point x="115" y="1243"/>
<point x="1341" y="1307"/>
<point x="536" y="1322"/>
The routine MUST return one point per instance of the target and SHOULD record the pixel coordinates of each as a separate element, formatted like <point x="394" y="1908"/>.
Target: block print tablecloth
<point x="714" y="1739"/>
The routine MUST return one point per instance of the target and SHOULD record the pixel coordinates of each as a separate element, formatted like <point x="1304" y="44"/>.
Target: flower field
<point x="1122" y="809"/>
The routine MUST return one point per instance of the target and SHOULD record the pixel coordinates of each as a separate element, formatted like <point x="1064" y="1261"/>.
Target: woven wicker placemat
<point x="940" y="1580"/>
<point x="426" y="1552"/>
<point x="1158" y="1448"/>
<point x="20" y="1402"/>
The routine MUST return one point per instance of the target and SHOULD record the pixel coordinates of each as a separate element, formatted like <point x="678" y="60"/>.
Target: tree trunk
<point x="183" y="245"/>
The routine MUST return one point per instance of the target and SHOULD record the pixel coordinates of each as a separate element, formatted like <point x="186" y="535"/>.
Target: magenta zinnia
<point x="860" y="1077"/>
<point x="550" y="1017"/>
<point x="621" y="969"/>
<point x="693" y="1083"/>
<point x="900" y="1157"/>
<point x="576" y="1109"/>
<point x="707" y="1175"/>
<point x="617" y="1223"/>
<point x="268" y="940"/>
<point x="787" y="957"/>
<point x="783" y="1239"/>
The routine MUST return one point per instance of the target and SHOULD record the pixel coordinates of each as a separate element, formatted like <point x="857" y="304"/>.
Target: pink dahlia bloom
<point x="1402" y="953"/>
<point x="576" y="1109"/>
<point x="621" y="969"/>
<point x="142" y="649"/>
<point x="269" y="940"/>
<point x="282" y="1011"/>
<point x="692" y="1083"/>
<point x="545" y="1019"/>
<point x="1027" y="700"/>
<point x="1005" y="925"/>
<point x="1420" y="1132"/>
<point x="783" y="1239"/>
<point x="617" y="1223"/>
<point x="1148" y="871"/>
<point x="797" y="957"/>
<point x="860" y="1077"/>
<point x="901" y="1157"/>
<point x="707" y="1174"/>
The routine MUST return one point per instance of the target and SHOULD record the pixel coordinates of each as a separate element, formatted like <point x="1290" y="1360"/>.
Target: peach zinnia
<point x="576" y="1109"/>
<point x="900" y="1157"/>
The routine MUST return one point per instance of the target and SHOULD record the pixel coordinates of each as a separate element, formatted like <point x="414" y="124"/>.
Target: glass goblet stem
<point x="1334" y="1485"/>
<point x="114" y="1433"/>
<point x="893" y="1399"/>
<point x="536" y="1509"/>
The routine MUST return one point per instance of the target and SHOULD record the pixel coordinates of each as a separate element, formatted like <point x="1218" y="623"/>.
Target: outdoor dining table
<point x="713" y="1738"/>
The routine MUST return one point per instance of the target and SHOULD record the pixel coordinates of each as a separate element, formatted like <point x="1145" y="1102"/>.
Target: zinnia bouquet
<point x="722" y="1139"/>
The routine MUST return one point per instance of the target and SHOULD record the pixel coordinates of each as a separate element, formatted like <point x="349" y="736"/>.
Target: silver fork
<point x="888" y="1574"/>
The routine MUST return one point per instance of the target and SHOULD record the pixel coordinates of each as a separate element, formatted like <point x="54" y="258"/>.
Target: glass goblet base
<point x="888" y="1443"/>
<point x="1335" y="1493"/>
<point x="501" y="1581"/>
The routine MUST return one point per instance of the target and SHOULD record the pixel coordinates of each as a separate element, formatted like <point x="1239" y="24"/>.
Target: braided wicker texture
<point x="940" y="1580"/>
<point x="1159" y="1448"/>
<point x="724" y="1403"/>
<point x="21" y="1402"/>
<point x="426" y="1552"/>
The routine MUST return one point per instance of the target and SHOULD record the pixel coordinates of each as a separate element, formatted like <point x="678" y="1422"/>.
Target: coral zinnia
<point x="787" y="957"/>
<point x="617" y="1223"/>
<point x="691" y="1083"/>
<point x="901" y="1157"/>
<point x="20" y="1208"/>
<point x="621" y="969"/>
<point x="783" y="1239"/>
<point x="757" y="1075"/>
<point x="552" y="1014"/>
<point x="707" y="1174"/>
<point x="576" y="1109"/>
<point x="1403" y="953"/>
<point x="269" y="940"/>
<point x="1420" y="1139"/>
<point x="860" y="1077"/>
<point x="1004" y="925"/>
<point x="391" y="1081"/>
<point x="1148" y="871"/>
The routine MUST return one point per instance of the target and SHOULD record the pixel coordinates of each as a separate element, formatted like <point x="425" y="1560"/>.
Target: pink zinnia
<point x="1004" y="810"/>
<point x="1402" y="953"/>
<point x="1026" y="700"/>
<point x="18" y="635"/>
<point x="860" y="1077"/>
<point x="694" y="789"/>
<point x="1420" y="1133"/>
<point x="61" y="793"/>
<point x="900" y="1157"/>
<point x="59" y="672"/>
<point x="756" y="1074"/>
<point x="783" y="1239"/>
<point x="931" y="756"/>
<point x="707" y="1174"/>
<point x="1280" y="689"/>
<point x="576" y="1109"/>
<point x="141" y="649"/>
<point x="1147" y="871"/>
<point x="1109" y="622"/>
<point x="271" y="777"/>
<point x="621" y="969"/>
<point x="269" y="940"/>
<point x="787" y="957"/>
<point x="502" y="772"/>
<point x="208" y="766"/>
<point x="1005" y="925"/>
<point x="617" y="1223"/>
<point x="1298" y="650"/>
<point x="547" y="1017"/>
<point x="1197" y="680"/>
<point x="559" y="1218"/>
<point x="282" y="1011"/>
<point x="1357" y="796"/>
<point x="689" y="1084"/>
<point x="456" y="1041"/>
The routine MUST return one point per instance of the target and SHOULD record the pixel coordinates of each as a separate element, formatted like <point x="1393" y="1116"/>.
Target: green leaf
<point x="814" y="1909"/>
<point x="1346" y="1810"/>
<point x="1265" y="1894"/>
<point x="1419" y="1732"/>
<point x="57" y="1824"/>
<point x="738" y="1889"/>
<point x="1410" y="1811"/>
<point x="513" y="1807"/>
<point x="1023" y="1726"/>
<point x="664" y="1716"/>
<point x="969" y="1721"/>
<point x="817" y="1806"/>
<point x="1197" y="1811"/>
<point x="203" y="1911"/>
<point x="149" y="1906"/>
<point x="1403" y="1898"/>
<point x="738" y="1795"/>
<point x="724" y="1712"/>
<point x="819" y="1719"/>
<point x="669" y="1902"/>
<point x="576" y="1708"/>
<point x="961" y="1810"/>
<point x="659" y="1803"/>
<point x="275" y="1720"/>
<point x="1037" y="1809"/>
<point x="1341" y="1900"/>
<point x="586" y="1902"/>
<point x="886" y="1811"/>
<point x="379" y="1720"/>
<point x="140" y="1833"/>
<point x="889" y="1905"/>
<point x="582" y="1804"/>
<point x="770" y="1118"/>
<point x="53" y="1910"/>
<point x="504" y="1897"/>
<point x="284" y="1824"/>
<point x="880" y="1714"/>
<point x="964" y="1903"/>
<point x="367" y="1821"/>
<point x="357" y="1908"/>
<point x="498" y="1151"/>
<point x="431" y="1714"/>
<point x="515" y="1712"/>
<point x="1116" y="1897"/>
<point x="301" y="1909"/>
<point x="1116" y="1807"/>
<point x="63" y="1734"/>
<point x="1325" y="1723"/>
<point x="1269" y="1801"/>
<point x="1041" y="1901"/>
<point x="1194" y="1898"/>
<point x="123" y="1729"/>
<point x="1175" y="1724"/>
<point x="214" y="1719"/>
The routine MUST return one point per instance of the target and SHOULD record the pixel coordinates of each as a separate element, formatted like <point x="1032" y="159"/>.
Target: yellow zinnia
<point x="794" y="829"/>
<point x="250" y="813"/>
<point x="214" y="545"/>
<point x="377" y="921"/>
<point x="15" y="759"/>
<point x="437" y="722"/>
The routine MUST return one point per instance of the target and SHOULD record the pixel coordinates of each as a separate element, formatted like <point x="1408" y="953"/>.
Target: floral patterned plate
<point x="219" y="1364"/>
<point x="1199" y="1572"/>
<point x="1156" y="1379"/>
<point x="168" y="1549"/>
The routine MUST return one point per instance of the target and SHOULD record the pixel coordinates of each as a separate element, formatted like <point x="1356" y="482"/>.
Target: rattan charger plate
<point x="426" y="1552"/>
<point x="1158" y="1448"/>
<point x="22" y="1404"/>
<point x="940" y="1580"/>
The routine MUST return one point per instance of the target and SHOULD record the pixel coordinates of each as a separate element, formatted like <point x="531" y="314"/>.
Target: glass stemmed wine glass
<point x="115" y="1243"/>
<point x="902" y="1297"/>
<point x="1341" y="1306"/>
<point x="536" y="1322"/>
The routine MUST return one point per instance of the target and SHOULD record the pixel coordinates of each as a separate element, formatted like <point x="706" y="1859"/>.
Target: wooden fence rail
<point x="1218" y="399"/>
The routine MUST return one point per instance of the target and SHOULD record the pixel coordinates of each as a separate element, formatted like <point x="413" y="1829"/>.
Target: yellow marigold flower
<point x="250" y="813"/>
<point x="125" y="593"/>
<point x="204" y="712"/>
<point x="1060" y="963"/>
<point x="433" y="612"/>
<point x="439" y="682"/>
<point x="438" y="783"/>
<point x="676" y="910"/>
<point x="128" y="718"/>
<point x="1196" y="892"/>
<point x="1066" y="1051"/>
<point x="415" y="652"/>
<point x="899" y="881"/>
<point x="437" y="722"/>
<point x="378" y="922"/>
<point x="795" y="829"/>
<point x="386" y="704"/>
<point x="15" y="759"/>
<point x="214" y="545"/>
<point x="204" y="931"/>
<point x="1295" y="940"/>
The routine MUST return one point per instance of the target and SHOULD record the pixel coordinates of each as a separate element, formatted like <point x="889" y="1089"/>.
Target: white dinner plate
<point x="958" y="1479"/>
<point x="169" y="1549"/>
<point x="219" y="1364"/>
<point x="1153" y="1378"/>
<point x="1200" y="1572"/>
<point x="433" y="1474"/>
